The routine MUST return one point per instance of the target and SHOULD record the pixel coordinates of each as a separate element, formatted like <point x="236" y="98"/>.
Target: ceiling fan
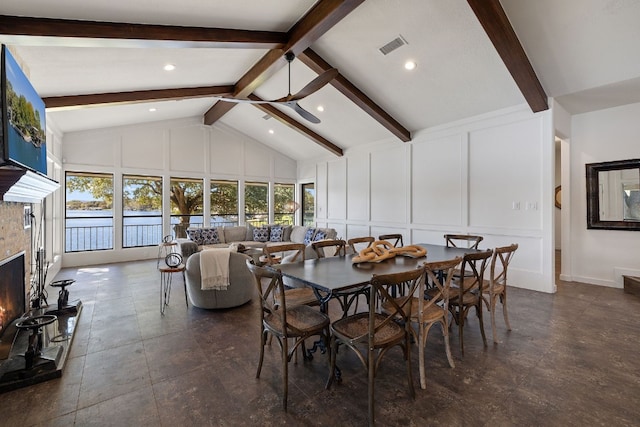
<point x="290" y="100"/>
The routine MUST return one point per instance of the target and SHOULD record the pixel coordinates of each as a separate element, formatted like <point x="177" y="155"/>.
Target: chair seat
<point x="498" y="288"/>
<point x="302" y="320"/>
<point x="357" y="325"/>
<point x="300" y="296"/>
<point x="467" y="299"/>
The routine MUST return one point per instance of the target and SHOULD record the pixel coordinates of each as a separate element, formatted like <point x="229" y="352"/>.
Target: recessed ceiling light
<point x="169" y="67"/>
<point x="320" y="108"/>
<point x="410" y="65"/>
<point x="152" y="109"/>
<point x="271" y="131"/>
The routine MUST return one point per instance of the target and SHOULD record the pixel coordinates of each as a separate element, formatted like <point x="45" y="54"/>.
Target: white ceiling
<point x="585" y="53"/>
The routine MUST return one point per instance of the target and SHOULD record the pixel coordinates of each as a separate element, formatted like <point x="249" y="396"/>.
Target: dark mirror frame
<point x="593" y="199"/>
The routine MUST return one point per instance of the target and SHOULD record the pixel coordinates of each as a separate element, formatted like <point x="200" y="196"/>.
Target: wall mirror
<point x="613" y="195"/>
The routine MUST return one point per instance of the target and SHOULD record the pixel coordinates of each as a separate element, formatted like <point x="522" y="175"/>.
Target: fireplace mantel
<point x="24" y="186"/>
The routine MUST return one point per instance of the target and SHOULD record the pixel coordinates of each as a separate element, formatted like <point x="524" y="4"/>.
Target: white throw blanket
<point x="214" y="269"/>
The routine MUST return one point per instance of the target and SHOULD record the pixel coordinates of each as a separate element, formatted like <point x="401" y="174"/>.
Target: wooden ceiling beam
<point x="135" y="96"/>
<point x="298" y="127"/>
<point x="497" y="26"/>
<point x="180" y="36"/>
<point x="322" y="17"/>
<point x="312" y="60"/>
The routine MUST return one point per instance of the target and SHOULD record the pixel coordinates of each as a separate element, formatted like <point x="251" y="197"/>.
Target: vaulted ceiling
<point x="100" y="64"/>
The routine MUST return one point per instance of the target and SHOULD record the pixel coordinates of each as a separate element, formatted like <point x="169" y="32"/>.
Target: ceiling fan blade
<point x="314" y="85"/>
<point x="304" y="113"/>
<point x="243" y="100"/>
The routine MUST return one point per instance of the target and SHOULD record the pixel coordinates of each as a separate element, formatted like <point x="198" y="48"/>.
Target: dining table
<point x="338" y="275"/>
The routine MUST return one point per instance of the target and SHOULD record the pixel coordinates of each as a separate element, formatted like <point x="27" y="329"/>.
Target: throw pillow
<point x="276" y="233"/>
<point x="210" y="236"/>
<point x="308" y="236"/>
<point x="195" y="235"/>
<point x="320" y="235"/>
<point x="261" y="234"/>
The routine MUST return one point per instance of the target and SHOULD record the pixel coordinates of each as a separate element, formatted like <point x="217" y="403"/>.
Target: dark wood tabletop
<point x="339" y="274"/>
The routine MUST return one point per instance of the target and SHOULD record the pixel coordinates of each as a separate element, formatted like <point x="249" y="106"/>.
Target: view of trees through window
<point x="224" y="203"/>
<point x="256" y="203"/>
<point x="89" y="218"/>
<point x="308" y="203"/>
<point x="141" y="210"/>
<point x="284" y="205"/>
<point x="186" y="204"/>
<point x="88" y="212"/>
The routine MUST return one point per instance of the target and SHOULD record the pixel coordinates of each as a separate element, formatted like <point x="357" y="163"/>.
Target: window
<point x="256" y="203"/>
<point x="284" y="204"/>
<point x="224" y="203"/>
<point x="186" y="204"/>
<point x="141" y="211"/>
<point x="88" y="212"/>
<point x="308" y="203"/>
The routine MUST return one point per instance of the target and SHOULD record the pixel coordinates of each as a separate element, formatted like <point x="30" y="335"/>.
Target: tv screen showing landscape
<point x="24" y="118"/>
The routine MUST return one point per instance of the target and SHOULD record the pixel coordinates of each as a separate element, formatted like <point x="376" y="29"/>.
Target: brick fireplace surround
<point x="14" y="237"/>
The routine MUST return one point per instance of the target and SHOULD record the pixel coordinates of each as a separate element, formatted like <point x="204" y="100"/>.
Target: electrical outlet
<point x="515" y="206"/>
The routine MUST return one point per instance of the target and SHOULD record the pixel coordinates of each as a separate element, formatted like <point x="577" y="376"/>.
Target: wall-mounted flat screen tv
<point x="22" y="125"/>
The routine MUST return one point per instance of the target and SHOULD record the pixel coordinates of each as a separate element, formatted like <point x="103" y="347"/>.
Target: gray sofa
<point x="223" y="237"/>
<point x="241" y="287"/>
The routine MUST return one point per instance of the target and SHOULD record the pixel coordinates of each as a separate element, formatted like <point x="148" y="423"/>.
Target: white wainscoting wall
<point x="491" y="175"/>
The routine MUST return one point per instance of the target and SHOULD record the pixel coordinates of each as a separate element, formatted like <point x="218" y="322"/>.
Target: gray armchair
<point x="241" y="288"/>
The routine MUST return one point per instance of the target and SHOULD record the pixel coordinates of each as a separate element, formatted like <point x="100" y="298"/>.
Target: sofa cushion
<point x="235" y="234"/>
<point x="308" y="236"/>
<point x="195" y="235"/>
<point x="210" y="236"/>
<point x="261" y="234"/>
<point x="286" y="233"/>
<point x="220" y="230"/>
<point x="297" y="234"/>
<point x="248" y="232"/>
<point x="328" y="233"/>
<point x="276" y="233"/>
<point x="319" y="235"/>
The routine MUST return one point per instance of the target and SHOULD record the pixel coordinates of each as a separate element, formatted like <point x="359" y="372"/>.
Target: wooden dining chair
<point x="295" y="292"/>
<point x="356" y="244"/>
<point x="428" y="312"/>
<point x="466" y="292"/>
<point x="283" y="322"/>
<point x="394" y="239"/>
<point x="324" y="248"/>
<point x="462" y="240"/>
<point x="370" y="335"/>
<point x="348" y="298"/>
<point x="495" y="288"/>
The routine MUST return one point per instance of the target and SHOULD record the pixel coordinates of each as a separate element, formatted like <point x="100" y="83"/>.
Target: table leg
<point x="165" y="290"/>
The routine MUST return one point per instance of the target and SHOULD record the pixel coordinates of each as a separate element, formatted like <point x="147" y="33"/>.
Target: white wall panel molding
<point x="438" y="181"/>
<point x="389" y="185"/>
<point x="187" y="145"/>
<point x="321" y="190"/>
<point x="337" y="189"/>
<point x="358" y="190"/>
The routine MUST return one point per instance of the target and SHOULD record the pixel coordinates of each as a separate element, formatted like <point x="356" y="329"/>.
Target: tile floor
<point x="570" y="360"/>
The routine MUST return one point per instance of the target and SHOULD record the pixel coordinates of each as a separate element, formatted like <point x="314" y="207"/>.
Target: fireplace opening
<point x="12" y="299"/>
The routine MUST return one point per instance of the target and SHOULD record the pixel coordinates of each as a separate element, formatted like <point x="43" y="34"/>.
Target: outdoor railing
<point x="141" y="235"/>
<point x="91" y="238"/>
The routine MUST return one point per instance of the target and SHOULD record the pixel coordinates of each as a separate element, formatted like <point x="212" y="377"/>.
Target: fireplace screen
<point x="12" y="291"/>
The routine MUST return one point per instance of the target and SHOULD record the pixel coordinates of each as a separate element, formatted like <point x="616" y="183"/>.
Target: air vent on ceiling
<point x="266" y="116"/>
<point x="393" y="45"/>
